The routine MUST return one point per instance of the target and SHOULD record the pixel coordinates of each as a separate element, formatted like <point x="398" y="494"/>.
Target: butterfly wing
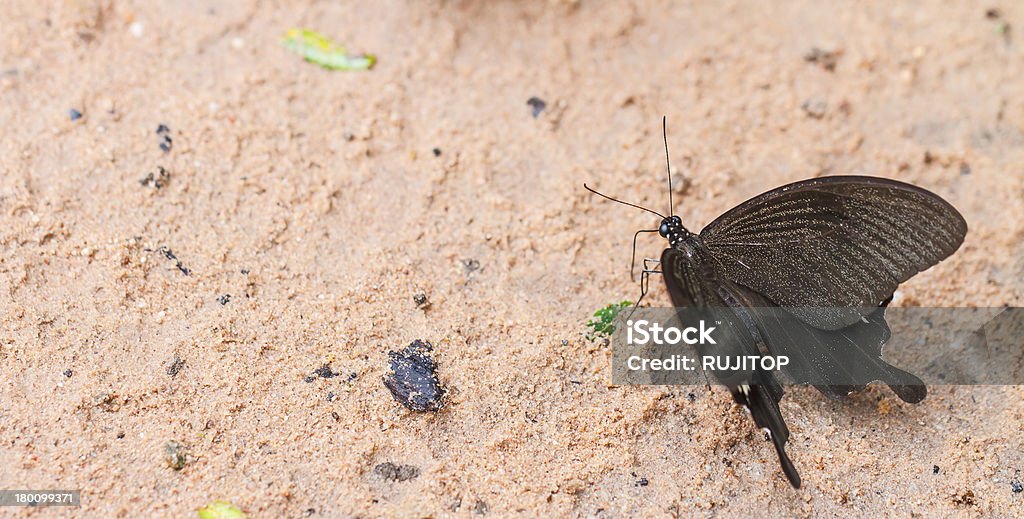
<point x="692" y="284"/>
<point x="836" y="362"/>
<point x="831" y="249"/>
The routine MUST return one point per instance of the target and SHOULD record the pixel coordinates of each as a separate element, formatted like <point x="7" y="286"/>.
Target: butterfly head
<point x="672" y="229"/>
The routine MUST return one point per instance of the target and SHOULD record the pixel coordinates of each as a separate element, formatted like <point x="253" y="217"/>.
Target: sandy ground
<point x="315" y="200"/>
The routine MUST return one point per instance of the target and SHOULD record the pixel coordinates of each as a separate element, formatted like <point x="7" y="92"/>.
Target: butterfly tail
<point x="763" y="402"/>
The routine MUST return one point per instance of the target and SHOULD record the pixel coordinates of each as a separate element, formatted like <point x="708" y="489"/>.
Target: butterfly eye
<point x="663" y="230"/>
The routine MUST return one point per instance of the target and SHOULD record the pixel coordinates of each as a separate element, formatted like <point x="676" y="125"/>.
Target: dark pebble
<point x="827" y="59"/>
<point x="642" y="482"/>
<point x="309" y="378"/>
<point x="165" y="144"/>
<point x="120" y="436"/>
<point x="176" y="455"/>
<point x="481" y="508"/>
<point x="691" y="397"/>
<point x="1017" y="487"/>
<point x="437" y="152"/>
<point x="965" y="168"/>
<point x="74" y="115"/>
<point x="169" y="254"/>
<point x="421" y="301"/>
<point x="68" y="373"/>
<point x="162" y="129"/>
<point x="470" y="265"/>
<point x="412" y="380"/>
<point x="175" y="366"/>
<point x="224" y="299"/>
<point x="537" y="105"/>
<point x="935" y="469"/>
<point x="391" y="472"/>
<point x="157" y="180"/>
<point x="325" y="372"/>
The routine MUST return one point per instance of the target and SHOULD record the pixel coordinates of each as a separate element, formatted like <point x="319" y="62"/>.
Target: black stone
<point x="413" y="379"/>
<point x="537" y="105"/>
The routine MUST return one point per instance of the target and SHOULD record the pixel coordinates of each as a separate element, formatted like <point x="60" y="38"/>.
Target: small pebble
<point x="437" y="152"/>
<point x="176" y="455"/>
<point x="156" y="180"/>
<point x="165" y="137"/>
<point x="175" y="366"/>
<point x="935" y="469"/>
<point x="68" y="373"/>
<point x="470" y="265"/>
<point x="74" y="115"/>
<point x="421" y="301"/>
<point x="224" y="299"/>
<point x="825" y="58"/>
<point x="1017" y="487"/>
<point x="412" y="379"/>
<point x="391" y="472"/>
<point x="537" y="105"/>
<point x="325" y="372"/>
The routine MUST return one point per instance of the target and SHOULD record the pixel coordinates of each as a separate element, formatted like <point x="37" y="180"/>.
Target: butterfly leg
<point x="632" y="259"/>
<point x="645" y="283"/>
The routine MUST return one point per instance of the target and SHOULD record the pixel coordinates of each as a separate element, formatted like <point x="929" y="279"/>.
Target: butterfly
<point x="824" y="257"/>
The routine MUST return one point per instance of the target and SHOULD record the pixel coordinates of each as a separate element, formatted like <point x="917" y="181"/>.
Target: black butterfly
<point x="830" y="251"/>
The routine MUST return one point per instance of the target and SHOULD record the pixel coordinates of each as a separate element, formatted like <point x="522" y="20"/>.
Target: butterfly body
<point x="829" y="252"/>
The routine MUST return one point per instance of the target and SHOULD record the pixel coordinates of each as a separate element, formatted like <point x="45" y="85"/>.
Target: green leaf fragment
<point x="318" y="49"/>
<point x="220" y="510"/>
<point x="603" y="325"/>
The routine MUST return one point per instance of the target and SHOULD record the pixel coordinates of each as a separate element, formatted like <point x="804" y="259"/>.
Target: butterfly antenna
<point x="668" y="165"/>
<point x="623" y="203"/>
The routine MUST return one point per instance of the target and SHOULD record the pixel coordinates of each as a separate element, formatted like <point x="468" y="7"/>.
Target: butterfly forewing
<point x="832" y="248"/>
